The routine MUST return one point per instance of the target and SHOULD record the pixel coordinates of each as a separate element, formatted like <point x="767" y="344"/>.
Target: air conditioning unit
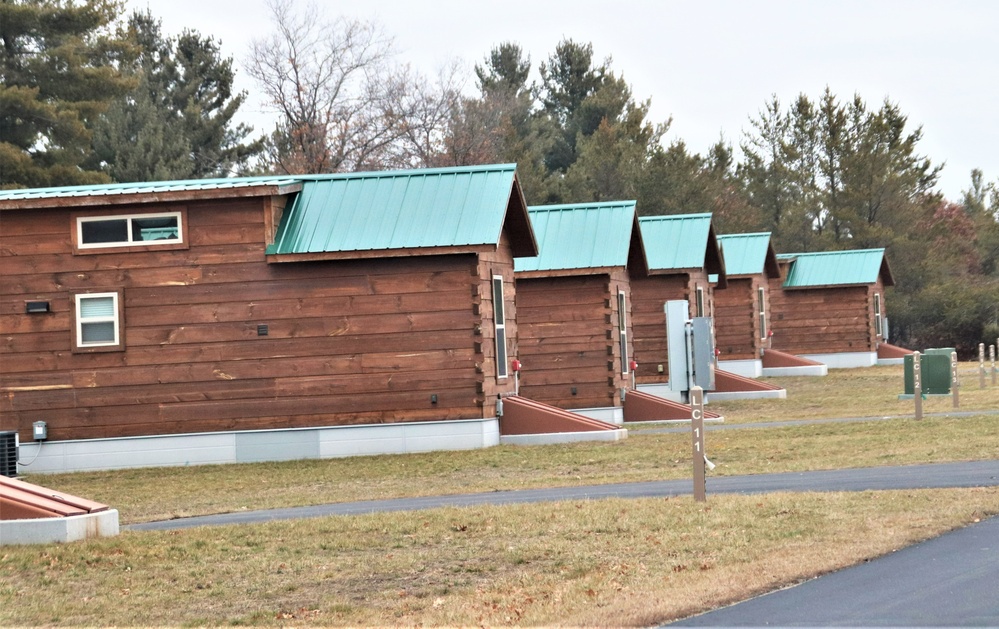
<point x="8" y="453"/>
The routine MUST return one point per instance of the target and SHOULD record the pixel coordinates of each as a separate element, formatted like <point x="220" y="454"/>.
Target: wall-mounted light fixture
<point x="36" y="307"/>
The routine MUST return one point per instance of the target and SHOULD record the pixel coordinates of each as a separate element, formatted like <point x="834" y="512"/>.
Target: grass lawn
<point x="608" y="562"/>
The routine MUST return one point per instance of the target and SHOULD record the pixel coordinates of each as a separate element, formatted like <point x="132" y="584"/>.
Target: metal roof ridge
<point x="579" y="206"/>
<point x="669" y="217"/>
<point x="759" y="234"/>
<point x="409" y="172"/>
<point x="835" y="252"/>
<point x="246" y="181"/>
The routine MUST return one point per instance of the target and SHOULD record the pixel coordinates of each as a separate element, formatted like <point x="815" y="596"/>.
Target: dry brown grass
<point x="870" y="392"/>
<point x="600" y="563"/>
<point x="609" y="562"/>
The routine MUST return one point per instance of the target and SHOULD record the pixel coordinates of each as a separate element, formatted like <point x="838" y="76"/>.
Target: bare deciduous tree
<point x="331" y="83"/>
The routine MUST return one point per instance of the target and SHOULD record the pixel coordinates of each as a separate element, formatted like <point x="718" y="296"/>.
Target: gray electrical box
<point x="691" y="348"/>
<point x="676" y="345"/>
<point x="702" y="344"/>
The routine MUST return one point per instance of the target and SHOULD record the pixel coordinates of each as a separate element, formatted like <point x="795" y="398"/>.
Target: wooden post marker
<point x="697" y="441"/>
<point x="917" y="383"/>
<point x="954" y="383"/>
<point x="981" y="365"/>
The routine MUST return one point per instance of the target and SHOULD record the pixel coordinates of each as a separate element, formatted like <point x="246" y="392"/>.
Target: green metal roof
<point x="746" y="254"/>
<point x="676" y="242"/>
<point x="153" y="187"/>
<point x="443" y="207"/>
<point x="580" y="236"/>
<point x="837" y="268"/>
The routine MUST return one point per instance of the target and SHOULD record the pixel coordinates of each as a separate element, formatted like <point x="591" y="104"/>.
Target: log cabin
<point x="264" y="318"/>
<point x="682" y="253"/>
<point x="742" y="310"/>
<point x="829" y="307"/>
<point x="574" y="306"/>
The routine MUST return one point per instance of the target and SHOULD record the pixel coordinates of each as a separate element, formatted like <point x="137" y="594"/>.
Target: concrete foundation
<point x="257" y="445"/>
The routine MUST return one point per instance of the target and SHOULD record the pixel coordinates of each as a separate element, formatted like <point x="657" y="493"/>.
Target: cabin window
<point x="499" y="320"/>
<point x="97" y="232"/>
<point x="878" y="325"/>
<point x="761" y="298"/>
<point x="699" y="302"/>
<point x="98" y="321"/>
<point x="622" y="323"/>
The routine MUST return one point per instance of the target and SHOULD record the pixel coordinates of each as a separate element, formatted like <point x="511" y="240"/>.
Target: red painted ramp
<point x="727" y="382"/>
<point x="24" y="501"/>
<point x="522" y="416"/>
<point x="887" y="350"/>
<point x="772" y="359"/>
<point x="645" y="407"/>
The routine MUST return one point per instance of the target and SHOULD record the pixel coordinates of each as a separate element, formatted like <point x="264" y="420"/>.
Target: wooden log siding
<point x="491" y="264"/>
<point x="650" y="295"/>
<point x="824" y="320"/>
<point x="737" y="318"/>
<point x="348" y="342"/>
<point x="568" y="338"/>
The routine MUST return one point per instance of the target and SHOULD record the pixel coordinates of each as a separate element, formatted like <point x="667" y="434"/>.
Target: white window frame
<point x="114" y="318"/>
<point x="622" y="322"/>
<point x="499" y="325"/>
<point x="699" y="310"/>
<point x="131" y="242"/>
<point x="761" y="297"/>
<point x="878" y="324"/>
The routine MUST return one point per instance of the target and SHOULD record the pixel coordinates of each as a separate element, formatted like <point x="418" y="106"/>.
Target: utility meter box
<point x="702" y="344"/>
<point x="935" y="373"/>
<point x="691" y="348"/>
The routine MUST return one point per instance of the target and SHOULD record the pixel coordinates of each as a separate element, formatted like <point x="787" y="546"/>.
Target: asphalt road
<point x="967" y="474"/>
<point x="952" y="580"/>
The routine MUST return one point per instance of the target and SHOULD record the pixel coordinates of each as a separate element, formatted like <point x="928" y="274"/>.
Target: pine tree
<point x="60" y="70"/>
<point x="178" y="122"/>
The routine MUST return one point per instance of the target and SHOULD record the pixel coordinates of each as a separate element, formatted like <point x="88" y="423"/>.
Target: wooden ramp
<point x="30" y="514"/>
<point x="645" y="407"/>
<point x="774" y="359"/>
<point x="522" y="416"/>
<point x="22" y="501"/>
<point x="730" y="386"/>
<point x="887" y="350"/>
<point x="777" y="363"/>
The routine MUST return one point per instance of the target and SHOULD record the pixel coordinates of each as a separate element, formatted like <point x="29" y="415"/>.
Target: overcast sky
<point x="711" y="65"/>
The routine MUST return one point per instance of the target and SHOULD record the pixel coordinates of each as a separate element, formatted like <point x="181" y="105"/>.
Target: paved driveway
<point x="952" y="580"/>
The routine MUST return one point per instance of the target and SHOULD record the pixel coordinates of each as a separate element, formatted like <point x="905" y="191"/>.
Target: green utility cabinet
<point x="935" y="367"/>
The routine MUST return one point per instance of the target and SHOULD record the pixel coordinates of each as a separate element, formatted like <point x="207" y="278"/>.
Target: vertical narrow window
<point x="98" y="321"/>
<point x="699" y="302"/>
<point x="878" y="326"/>
<point x="622" y="324"/>
<point x="499" y="319"/>
<point x="761" y="298"/>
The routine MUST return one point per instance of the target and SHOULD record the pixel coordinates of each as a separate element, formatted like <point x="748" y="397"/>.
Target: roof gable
<point x="585" y="236"/>
<point x="682" y="242"/>
<point x="394" y="210"/>
<point x="837" y="268"/>
<point x="749" y="254"/>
